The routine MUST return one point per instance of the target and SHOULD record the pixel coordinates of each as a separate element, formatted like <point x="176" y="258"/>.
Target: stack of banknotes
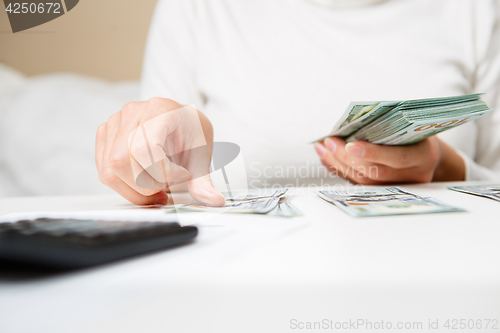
<point x="406" y="122"/>
<point x="384" y="201"/>
<point x="260" y="201"/>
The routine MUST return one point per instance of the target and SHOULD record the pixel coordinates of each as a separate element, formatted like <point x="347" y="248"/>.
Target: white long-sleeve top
<point x="274" y="75"/>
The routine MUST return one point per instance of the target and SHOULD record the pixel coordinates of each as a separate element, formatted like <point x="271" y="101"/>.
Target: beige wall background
<point x="98" y="38"/>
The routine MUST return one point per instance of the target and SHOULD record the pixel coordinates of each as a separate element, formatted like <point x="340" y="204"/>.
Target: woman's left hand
<point x="371" y="164"/>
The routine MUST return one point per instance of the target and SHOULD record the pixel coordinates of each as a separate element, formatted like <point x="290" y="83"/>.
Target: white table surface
<point x="397" y="269"/>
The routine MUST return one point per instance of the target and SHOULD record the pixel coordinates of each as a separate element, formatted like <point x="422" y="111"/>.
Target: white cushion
<point x="47" y="131"/>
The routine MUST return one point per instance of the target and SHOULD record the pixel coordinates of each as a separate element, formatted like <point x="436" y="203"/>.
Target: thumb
<point x="203" y="191"/>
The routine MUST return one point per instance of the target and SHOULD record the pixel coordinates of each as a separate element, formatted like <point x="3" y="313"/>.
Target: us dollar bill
<point x="285" y="209"/>
<point x="255" y="201"/>
<point x="486" y="191"/>
<point x="384" y="201"/>
<point x="259" y="206"/>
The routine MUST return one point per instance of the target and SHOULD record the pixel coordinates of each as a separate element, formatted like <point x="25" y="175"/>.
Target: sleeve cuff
<point x="474" y="171"/>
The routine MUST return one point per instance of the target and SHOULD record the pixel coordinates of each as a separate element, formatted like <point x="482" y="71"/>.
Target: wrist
<point x="450" y="167"/>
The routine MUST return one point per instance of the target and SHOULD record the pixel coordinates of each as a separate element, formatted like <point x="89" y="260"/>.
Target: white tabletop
<point x="326" y="269"/>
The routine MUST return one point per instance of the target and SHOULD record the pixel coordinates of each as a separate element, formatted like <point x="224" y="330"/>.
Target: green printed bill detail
<point x="486" y="191"/>
<point x="381" y="201"/>
<point x="406" y="122"/>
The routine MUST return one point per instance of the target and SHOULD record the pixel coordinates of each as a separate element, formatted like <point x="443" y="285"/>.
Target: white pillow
<point x="47" y="131"/>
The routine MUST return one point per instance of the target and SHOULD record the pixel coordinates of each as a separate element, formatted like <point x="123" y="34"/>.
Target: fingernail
<point x="213" y="196"/>
<point x="331" y="145"/>
<point x="320" y="149"/>
<point x="355" y="149"/>
<point x="161" y="201"/>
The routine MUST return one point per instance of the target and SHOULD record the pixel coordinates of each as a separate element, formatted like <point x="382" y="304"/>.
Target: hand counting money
<point x="406" y="122"/>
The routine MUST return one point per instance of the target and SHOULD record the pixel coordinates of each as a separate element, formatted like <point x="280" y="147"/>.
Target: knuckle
<point x="101" y="129"/>
<point x="130" y="108"/>
<point x="363" y="180"/>
<point x="106" y="176"/>
<point x="118" y="160"/>
<point x="378" y="172"/>
<point x="138" y="150"/>
<point x="403" y="158"/>
<point x="114" y="119"/>
<point x="360" y="180"/>
<point x="170" y="104"/>
<point x="158" y="100"/>
<point x="368" y="181"/>
<point x="100" y="135"/>
<point x="372" y="152"/>
<point x="341" y="155"/>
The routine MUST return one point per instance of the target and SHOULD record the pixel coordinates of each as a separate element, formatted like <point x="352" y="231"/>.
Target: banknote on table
<point x="285" y="209"/>
<point x="406" y="122"/>
<point x="260" y="206"/>
<point x="258" y="201"/>
<point x="487" y="191"/>
<point x="254" y="194"/>
<point x="384" y="201"/>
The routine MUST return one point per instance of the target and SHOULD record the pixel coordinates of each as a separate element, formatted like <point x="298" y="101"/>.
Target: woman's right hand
<point x="149" y="146"/>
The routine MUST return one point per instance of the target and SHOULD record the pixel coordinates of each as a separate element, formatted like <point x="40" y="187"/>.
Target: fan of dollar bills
<point x="406" y="122"/>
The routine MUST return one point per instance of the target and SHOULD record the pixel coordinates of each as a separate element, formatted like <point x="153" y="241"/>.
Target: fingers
<point x="203" y="191"/>
<point x="375" y="171"/>
<point x="179" y="139"/>
<point x="104" y="138"/>
<point x="337" y="147"/>
<point x="119" y="186"/>
<point x="397" y="157"/>
<point x="198" y="163"/>
<point x="111" y="128"/>
<point x="194" y="134"/>
<point x="343" y="170"/>
<point x="100" y="140"/>
<point x="147" y="147"/>
<point x="120" y="161"/>
<point x="385" y="164"/>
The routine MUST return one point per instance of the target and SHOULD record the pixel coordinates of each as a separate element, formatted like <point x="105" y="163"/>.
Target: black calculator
<point x="68" y="243"/>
